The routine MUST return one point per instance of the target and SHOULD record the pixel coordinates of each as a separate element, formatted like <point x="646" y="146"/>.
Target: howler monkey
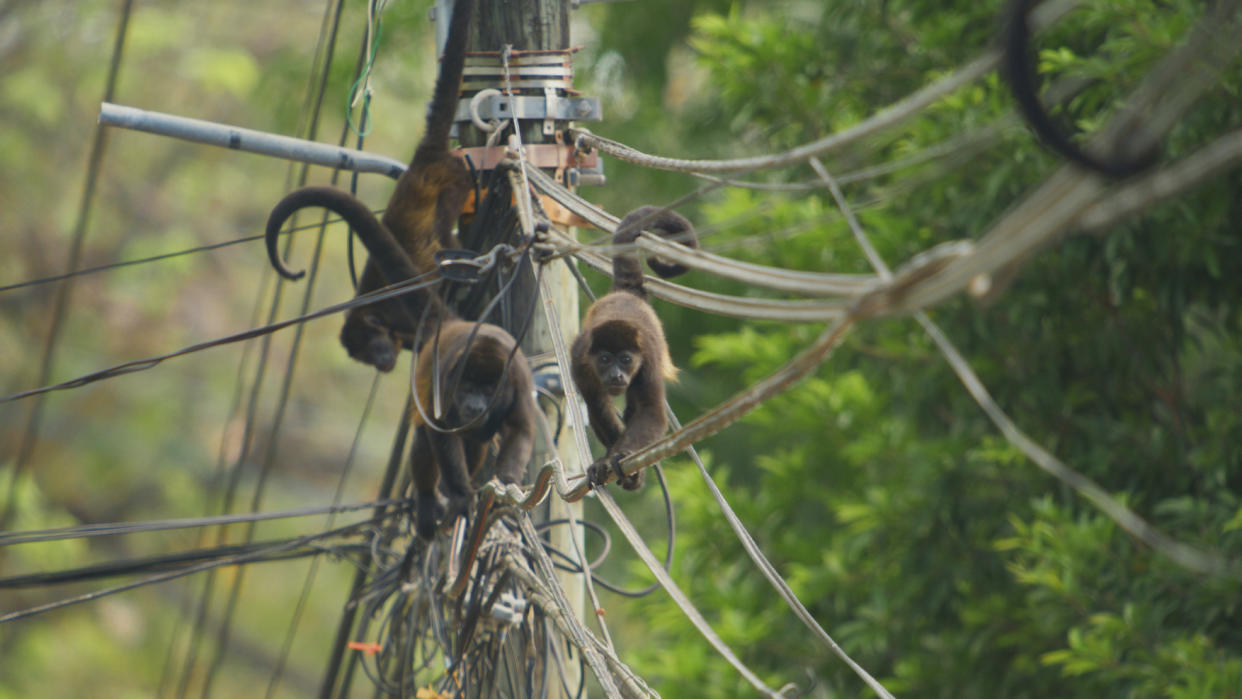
<point x="493" y="396"/>
<point x="427" y="201"/>
<point x="484" y="382"/>
<point x="621" y="349"/>
<point x="1019" y="71"/>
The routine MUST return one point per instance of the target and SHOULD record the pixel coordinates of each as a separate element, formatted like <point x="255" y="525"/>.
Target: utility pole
<point x="535" y="33"/>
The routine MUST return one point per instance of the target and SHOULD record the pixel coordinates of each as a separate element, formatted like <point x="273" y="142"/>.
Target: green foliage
<point x="33" y="512"/>
<point x="145" y="446"/>
<point x="761" y="53"/>
<point x="928" y="546"/>
<point x="27" y="91"/>
<point x="229" y="70"/>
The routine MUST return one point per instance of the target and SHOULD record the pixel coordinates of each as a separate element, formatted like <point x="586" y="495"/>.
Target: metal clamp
<point x="460" y="265"/>
<point x="546" y="155"/>
<point x="490" y="105"/>
<point x="550" y="101"/>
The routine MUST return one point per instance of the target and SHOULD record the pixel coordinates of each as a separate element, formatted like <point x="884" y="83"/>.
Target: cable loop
<point x="488" y="126"/>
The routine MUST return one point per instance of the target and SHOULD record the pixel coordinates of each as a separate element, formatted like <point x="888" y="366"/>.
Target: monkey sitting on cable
<point x="426" y="203"/>
<point x="484" y="387"/>
<point x="621" y="349"/>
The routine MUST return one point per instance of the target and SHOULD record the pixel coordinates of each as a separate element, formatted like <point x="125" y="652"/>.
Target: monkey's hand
<point x="429" y="513"/>
<point x="459" y="505"/>
<point x="598" y="472"/>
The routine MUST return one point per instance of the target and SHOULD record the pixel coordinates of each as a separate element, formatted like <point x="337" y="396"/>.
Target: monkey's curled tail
<point x="394" y="264"/>
<point x="1018" y="68"/>
<point x="627" y="273"/>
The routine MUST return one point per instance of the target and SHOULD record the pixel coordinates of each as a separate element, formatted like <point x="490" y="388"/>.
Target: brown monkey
<point x="484" y="382"/>
<point x="621" y="349"/>
<point x="487" y="390"/>
<point x="424" y="206"/>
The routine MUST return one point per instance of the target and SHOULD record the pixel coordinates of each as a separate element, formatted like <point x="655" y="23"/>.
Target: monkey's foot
<point x="459" y="506"/>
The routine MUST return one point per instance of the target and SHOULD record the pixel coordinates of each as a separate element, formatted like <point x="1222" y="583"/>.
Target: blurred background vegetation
<point x="939" y="557"/>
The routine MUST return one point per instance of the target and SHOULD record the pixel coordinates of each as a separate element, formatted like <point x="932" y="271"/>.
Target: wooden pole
<point x="541" y="25"/>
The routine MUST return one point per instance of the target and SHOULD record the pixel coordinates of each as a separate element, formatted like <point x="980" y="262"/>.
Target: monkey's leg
<point x="452" y="199"/>
<point x="517" y="441"/>
<point x="451" y="453"/>
<point x="426" y="476"/>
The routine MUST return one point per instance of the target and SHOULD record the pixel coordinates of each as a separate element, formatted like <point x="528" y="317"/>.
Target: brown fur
<point x="424" y="206"/>
<point x="620" y="322"/>
<point x="480" y="400"/>
<point x="481" y="394"/>
<point x="622" y="327"/>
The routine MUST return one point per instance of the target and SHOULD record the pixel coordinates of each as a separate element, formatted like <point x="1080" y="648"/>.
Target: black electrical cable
<point x="84" y="531"/>
<point x="223" y="636"/>
<point x="574" y="567"/>
<point x="152" y="564"/>
<point x="308" y="583"/>
<point x="155" y="258"/>
<point x="245" y="558"/>
<point x="151" y="362"/>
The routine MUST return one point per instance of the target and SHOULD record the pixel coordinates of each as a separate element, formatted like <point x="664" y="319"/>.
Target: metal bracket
<point x="533" y="70"/>
<point x="575" y="177"/>
<point x="531" y="107"/>
<point x="550" y="99"/>
<point x="545" y="155"/>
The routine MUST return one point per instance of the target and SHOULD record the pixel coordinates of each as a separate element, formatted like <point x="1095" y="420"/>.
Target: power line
<point x="155" y="258"/>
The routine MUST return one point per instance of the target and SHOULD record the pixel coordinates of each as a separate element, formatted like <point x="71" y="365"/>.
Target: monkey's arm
<point x="450" y="453"/>
<point x="517" y="440"/>
<point x="609" y="428"/>
<point x="604" y="419"/>
<point x="645" y="421"/>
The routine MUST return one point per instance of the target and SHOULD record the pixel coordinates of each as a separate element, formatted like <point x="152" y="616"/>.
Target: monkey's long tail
<point x="448" y="83"/>
<point x="384" y="249"/>
<point x="1019" y="71"/>
<point x="627" y="273"/>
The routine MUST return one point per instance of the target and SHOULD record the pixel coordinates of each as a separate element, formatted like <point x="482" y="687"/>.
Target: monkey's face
<point x="380" y="352"/>
<point x="370" y="344"/>
<point x="616" y="369"/>
<point x="473" y="398"/>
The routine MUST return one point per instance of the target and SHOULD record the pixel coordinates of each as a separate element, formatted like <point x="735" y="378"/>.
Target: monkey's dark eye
<point x="625" y="359"/>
